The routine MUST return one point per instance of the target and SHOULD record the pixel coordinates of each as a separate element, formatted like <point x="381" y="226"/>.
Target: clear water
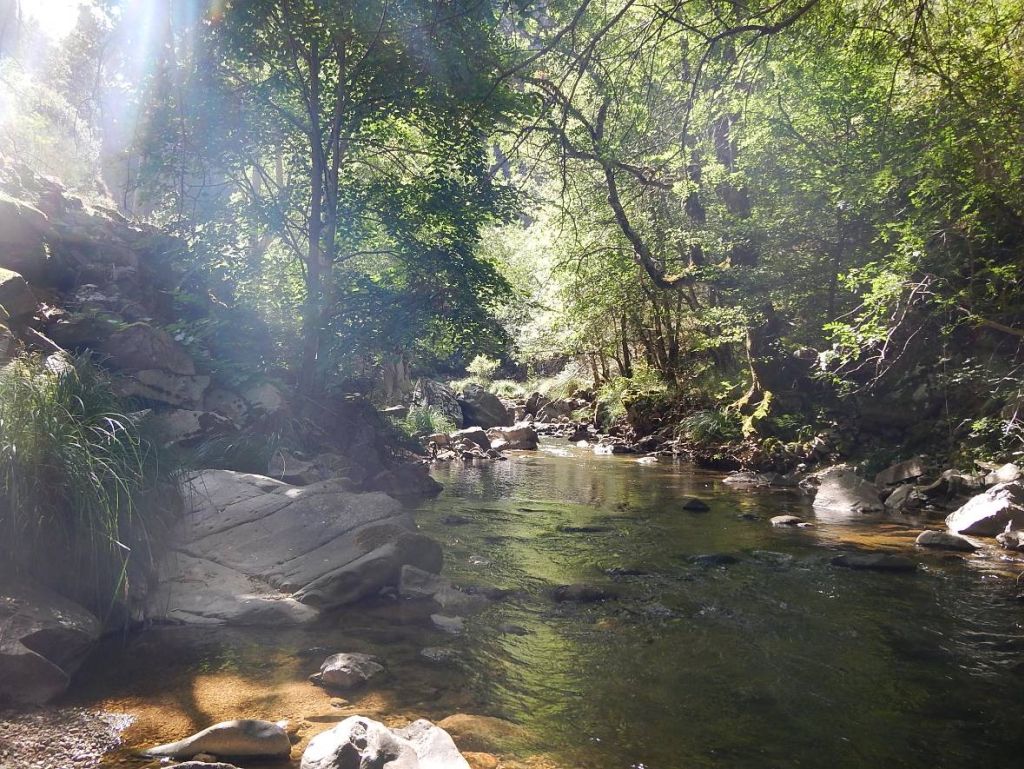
<point x="776" y="660"/>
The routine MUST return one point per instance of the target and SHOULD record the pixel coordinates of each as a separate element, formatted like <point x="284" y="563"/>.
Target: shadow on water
<point x="728" y="643"/>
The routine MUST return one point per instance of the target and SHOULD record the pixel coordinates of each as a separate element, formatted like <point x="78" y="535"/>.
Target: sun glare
<point x="56" y="18"/>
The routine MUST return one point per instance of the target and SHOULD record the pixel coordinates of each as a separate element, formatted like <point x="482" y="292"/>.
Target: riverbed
<point x="762" y="655"/>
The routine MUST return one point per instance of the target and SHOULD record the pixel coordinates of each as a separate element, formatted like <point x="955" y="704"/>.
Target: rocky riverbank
<point x="68" y="738"/>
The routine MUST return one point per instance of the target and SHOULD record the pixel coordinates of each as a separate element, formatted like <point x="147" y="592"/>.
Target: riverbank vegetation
<point x="762" y="221"/>
<point x="82" y="485"/>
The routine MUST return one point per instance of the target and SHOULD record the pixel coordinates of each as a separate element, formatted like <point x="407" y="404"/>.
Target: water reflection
<point x="767" y="657"/>
<point x="775" y="658"/>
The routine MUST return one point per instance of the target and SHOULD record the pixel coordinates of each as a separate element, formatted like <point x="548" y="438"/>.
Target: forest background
<point x="758" y="220"/>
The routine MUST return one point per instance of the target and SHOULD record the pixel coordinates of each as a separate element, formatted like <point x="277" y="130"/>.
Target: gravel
<point x="57" y="738"/>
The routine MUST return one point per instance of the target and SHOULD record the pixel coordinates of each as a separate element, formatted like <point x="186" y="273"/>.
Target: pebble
<point x="69" y="738"/>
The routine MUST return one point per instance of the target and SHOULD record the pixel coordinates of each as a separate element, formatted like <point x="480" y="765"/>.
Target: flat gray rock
<point x="252" y="550"/>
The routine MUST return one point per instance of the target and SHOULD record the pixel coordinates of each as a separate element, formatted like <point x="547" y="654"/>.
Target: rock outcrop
<point x="252" y="550"/>
<point x="518" y="437"/>
<point x="483" y="409"/>
<point x="436" y="395"/>
<point x="989" y="513"/>
<point x="841" y="490"/>
<point x="43" y="639"/>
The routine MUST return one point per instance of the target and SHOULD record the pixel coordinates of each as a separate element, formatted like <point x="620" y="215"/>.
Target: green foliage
<point x="483" y="368"/>
<point x="711" y="425"/>
<point x="425" y="421"/>
<point x="566" y="383"/>
<point x="82" y="490"/>
<point x="613" y="394"/>
<point x="507" y="388"/>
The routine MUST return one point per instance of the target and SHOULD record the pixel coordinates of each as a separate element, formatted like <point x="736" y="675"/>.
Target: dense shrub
<point x="82" y="490"/>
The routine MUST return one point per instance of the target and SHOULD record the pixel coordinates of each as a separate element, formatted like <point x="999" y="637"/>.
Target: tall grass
<point x="82" y="490"/>
<point x="425" y="421"/>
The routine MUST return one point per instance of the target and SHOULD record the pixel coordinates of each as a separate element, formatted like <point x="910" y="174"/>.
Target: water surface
<point x="777" y="659"/>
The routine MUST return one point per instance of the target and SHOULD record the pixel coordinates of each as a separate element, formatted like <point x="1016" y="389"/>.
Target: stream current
<point x="764" y="655"/>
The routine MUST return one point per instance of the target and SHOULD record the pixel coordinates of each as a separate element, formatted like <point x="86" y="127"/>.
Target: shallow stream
<point x="775" y="659"/>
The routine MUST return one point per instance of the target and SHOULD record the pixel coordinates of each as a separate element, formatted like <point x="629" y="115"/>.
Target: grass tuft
<point x="81" y="488"/>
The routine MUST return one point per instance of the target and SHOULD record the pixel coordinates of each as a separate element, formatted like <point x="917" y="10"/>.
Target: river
<point x="769" y="657"/>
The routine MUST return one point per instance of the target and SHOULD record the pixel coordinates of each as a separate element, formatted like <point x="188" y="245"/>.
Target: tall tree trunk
<point x="312" y="311"/>
<point x="627" y="360"/>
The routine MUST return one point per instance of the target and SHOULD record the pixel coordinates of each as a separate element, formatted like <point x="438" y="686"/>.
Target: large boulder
<point x="359" y="742"/>
<point x="989" y="513"/>
<point x="475" y="435"/>
<point x="22" y="232"/>
<point x="482" y="408"/>
<point x="16" y="298"/>
<point x="436" y="395"/>
<point x="841" y="490"/>
<point x="43" y="640"/>
<point x="903" y="471"/>
<point x="164" y="387"/>
<point x="521" y="437"/>
<point x="140" y="346"/>
<point x="184" y="427"/>
<point x="252" y="550"/>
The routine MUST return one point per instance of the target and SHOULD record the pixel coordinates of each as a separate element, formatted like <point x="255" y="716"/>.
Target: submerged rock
<point x="483" y="733"/>
<point x="875" y="562"/>
<point x="788" y="520"/>
<point x="749" y="478"/>
<point x="246" y="737"/>
<point x="580" y="593"/>
<point x="941" y="540"/>
<point x="695" y="505"/>
<point x="417" y="583"/>
<point x="452" y="625"/>
<point x="440" y="655"/>
<point x="347" y="670"/>
<point x="714" y="559"/>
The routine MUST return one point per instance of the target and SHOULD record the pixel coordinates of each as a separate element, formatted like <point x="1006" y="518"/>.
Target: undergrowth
<point x="82" y="490"/>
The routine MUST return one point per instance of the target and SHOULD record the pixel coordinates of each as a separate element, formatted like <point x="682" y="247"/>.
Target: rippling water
<point x="775" y="659"/>
<point x="778" y="659"/>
